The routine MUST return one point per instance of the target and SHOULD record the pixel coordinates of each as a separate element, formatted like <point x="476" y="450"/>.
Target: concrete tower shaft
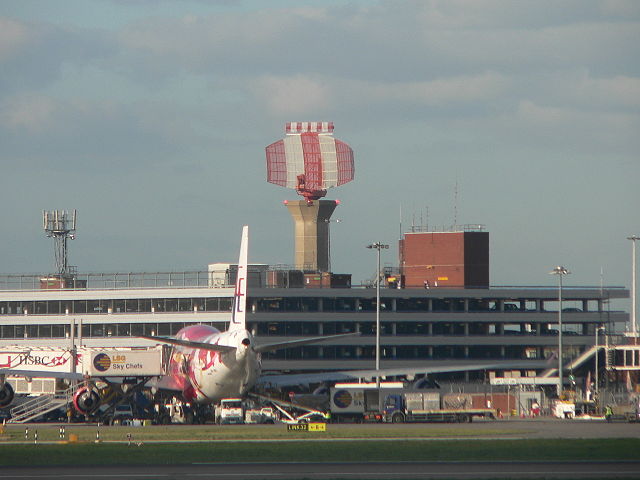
<point x="311" y="225"/>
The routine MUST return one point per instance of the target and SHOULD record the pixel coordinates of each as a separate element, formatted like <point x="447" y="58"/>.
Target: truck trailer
<point x="430" y="407"/>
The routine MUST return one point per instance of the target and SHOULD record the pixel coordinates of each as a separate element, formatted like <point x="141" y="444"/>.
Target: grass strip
<point x="343" y="451"/>
<point x="49" y="433"/>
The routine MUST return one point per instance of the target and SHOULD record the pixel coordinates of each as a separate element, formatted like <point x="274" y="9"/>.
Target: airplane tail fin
<point x="238" y="316"/>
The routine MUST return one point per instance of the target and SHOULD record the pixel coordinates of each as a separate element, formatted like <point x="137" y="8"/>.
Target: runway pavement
<point x="351" y="471"/>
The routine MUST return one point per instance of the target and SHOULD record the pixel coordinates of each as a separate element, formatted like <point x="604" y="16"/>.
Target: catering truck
<point x="360" y="402"/>
<point x="431" y="406"/>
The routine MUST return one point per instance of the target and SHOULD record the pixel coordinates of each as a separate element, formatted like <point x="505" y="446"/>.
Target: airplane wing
<point x="190" y="344"/>
<point x="40" y="374"/>
<point x="346" y="375"/>
<point x="268" y="347"/>
<point x="166" y="382"/>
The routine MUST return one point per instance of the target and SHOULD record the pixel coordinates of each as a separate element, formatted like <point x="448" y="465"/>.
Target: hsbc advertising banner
<point x="37" y="359"/>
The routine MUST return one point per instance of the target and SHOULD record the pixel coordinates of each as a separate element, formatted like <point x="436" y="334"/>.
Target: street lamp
<point x="596" y="389"/>
<point x="378" y="246"/>
<point x="634" y="331"/>
<point x="560" y="272"/>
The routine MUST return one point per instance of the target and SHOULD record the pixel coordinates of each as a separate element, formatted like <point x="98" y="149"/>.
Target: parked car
<point x="122" y="415"/>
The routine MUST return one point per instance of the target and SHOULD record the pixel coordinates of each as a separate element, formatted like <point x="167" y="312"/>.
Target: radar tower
<point x="310" y="160"/>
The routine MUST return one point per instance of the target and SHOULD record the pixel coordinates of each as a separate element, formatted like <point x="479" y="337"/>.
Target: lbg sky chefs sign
<point x="121" y="363"/>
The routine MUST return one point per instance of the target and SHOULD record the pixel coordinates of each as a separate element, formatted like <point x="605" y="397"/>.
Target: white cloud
<point x="298" y="94"/>
<point x="614" y="92"/>
<point x="192" y="38"/>
<point x="506" y="14"/>
<point x="620" y="8"/>
<point x="13" y="37"/>
<point x="570" y="130"/>
<point x="295" y="95"/>
<point x="548" y="116"/>
<point x="443" y="91"/>
<point x="31" y="112"/>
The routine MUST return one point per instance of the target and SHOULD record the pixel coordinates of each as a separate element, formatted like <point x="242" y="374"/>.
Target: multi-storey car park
<point x="419" y="326"/>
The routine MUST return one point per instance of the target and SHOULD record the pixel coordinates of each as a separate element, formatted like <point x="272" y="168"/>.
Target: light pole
<point x="560" y="272"/>
<point x="378" y="246"/>
<point x="596" y="389"/>
<point x="634" y="330"/>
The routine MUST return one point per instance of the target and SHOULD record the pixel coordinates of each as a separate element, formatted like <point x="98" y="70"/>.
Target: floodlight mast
<point x="378" y="246"/>
<point x="560" y="272"/>
<point x="634" y="326"/>
<point x="61" y="226"/>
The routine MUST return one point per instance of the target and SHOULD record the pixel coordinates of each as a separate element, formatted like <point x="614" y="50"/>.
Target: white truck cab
<point x="230" y="411"/>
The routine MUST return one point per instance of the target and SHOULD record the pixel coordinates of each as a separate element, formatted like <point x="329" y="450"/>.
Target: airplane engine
<point x="86" y="400"/>
<point x="6" y="395"/>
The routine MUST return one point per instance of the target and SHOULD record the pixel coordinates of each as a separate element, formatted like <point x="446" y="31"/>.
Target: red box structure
<point x="456" y="259"/>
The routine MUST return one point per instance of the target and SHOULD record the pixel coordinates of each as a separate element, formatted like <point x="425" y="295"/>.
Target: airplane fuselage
<point x="206" y="376"/>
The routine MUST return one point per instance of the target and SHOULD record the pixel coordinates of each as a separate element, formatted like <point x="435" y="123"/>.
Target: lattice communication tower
<point x="61" y="226"/>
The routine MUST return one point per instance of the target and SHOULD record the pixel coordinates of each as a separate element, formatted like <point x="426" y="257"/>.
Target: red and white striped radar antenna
<point x="309" y="159"/>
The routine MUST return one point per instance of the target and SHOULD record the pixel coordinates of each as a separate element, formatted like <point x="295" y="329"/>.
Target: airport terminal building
<point x="419" y="326"/>
<point x="436" y="309"/>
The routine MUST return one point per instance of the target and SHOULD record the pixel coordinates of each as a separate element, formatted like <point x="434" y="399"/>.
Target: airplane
<point x="207" y="365"/>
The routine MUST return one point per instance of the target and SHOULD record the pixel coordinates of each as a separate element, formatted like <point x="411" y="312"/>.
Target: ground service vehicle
<point x="429" y="407"/>
<point x="629" y="412"/>
<point x="122" y="415"/>
<point x="358" y="403"/>
<point x="260" y="415"/>
<point x="230" y="411"/>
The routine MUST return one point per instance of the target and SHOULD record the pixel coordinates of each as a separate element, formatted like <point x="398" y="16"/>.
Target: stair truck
<point x="431" y="407"/>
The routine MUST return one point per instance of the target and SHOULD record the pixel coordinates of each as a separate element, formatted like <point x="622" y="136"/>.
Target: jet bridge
<point x="45" y="362"/>
<point x="125" y="370"/>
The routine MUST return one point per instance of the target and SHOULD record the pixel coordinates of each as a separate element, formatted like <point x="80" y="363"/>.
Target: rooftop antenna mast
<point x="413" y="219"/>
<point x="455" y="204"/>
<point x="60" y="225"/>
<point x="427" y="219"/>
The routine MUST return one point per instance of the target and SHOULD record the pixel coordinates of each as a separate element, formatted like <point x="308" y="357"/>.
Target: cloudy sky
<point x="151" y="117"/>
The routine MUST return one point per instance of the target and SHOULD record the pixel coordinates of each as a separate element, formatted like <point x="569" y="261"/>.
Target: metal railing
<point x="40" y="405"/>
<point x="202" y="279"/>
<point x="467" y="227"/>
